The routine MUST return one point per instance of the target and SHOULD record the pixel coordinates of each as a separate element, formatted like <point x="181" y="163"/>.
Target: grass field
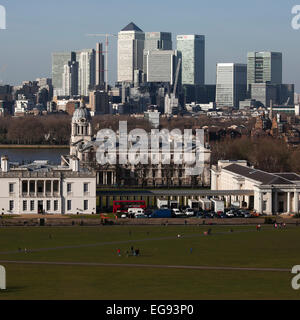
<point x="159" y="273"/>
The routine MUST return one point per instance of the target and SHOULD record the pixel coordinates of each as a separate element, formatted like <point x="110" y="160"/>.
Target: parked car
<point x="141" y="216"/>
<point x="246" y="214"/>
<point x="189" y="212"/>
<point x="177" y="212"/>
<point x="199" y="214"/>
<point x="230" y="214"/>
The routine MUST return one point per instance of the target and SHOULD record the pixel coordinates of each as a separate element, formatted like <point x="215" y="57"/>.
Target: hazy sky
<point x="36" y="28"/>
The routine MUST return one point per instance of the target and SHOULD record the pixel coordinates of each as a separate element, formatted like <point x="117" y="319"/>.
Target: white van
<point x="136" y="211"/>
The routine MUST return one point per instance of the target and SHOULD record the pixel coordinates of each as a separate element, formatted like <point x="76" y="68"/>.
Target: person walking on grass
<point x="119" y="252"/>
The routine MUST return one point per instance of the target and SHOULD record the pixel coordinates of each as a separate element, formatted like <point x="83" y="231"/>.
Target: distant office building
<point x="192" y="48"/>
<point x="44" y="82"/>
<point x="161" y="65"/>
<point x="59" y="60"/>
<point x="199" y="93"/>
<point x="264" y="67"/>
<point x="99" y="102"/>
<point x="158" y="40"/>
<point x="231" y="84"/>
<point x="280" y="94"/>
<point x="99" y="65"/>
<point x="264" y="93"/>
<point x="70" y="79"/>
<point x="286" y="94"/>
<point x="130" y="52"/>
<point x="87" y="70"/>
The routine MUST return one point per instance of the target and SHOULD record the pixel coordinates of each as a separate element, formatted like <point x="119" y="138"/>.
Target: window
<point x="69" y="187"/>
<point x="55" y="185"/>
<point x="11" y="188"/>
<point x="11" y="205"/>
<point x="24" y="186"/>
<point x="48" y="205"/>
<point x="32" y="205"/>
<point x="55" y="205"/>
<point x="48" y="186"/>
<point x="86" y="204"/>
<point x="25" y="205"/>
<point x="69" y="205"/>
<point x="86" y="187"/>
<point x="32" y="186"/>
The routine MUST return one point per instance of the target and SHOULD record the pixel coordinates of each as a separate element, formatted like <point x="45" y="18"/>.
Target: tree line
<point x="264" y="153"/>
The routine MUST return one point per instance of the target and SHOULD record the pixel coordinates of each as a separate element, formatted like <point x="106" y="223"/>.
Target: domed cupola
<point x="82" y="114"/>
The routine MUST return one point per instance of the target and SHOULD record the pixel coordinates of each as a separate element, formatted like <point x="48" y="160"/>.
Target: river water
<point x="29" y="155"/>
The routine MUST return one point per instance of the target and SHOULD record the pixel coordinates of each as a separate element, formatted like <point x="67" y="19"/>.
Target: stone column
<point x="35" y="187"/>
<point x="288" y="207"/>
<point x="275" y="202"/>
<point x="52" y="189"/>
<point x="260" y="203"/>
<point x="296" y="202"/>
<point x="28" y="188"/>
<point x="270" y="202"/>
<point x="44" y="188"/>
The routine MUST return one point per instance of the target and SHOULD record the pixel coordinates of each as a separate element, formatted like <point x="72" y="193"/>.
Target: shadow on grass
<point x="12" y="290"/>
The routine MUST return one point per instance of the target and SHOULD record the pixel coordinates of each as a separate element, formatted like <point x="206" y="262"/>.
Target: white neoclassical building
<point x="273" y="193"/>
<point x="42" y="188"/>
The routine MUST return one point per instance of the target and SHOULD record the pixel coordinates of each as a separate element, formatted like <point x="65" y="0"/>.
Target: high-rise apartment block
<point x="192" y="48"/>
<point x="264" y="67"/>
<point x="231" y="84"/>
<point x="130" y="52"/>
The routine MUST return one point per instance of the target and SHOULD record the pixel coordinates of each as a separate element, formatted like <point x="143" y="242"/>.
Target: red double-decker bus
<point x="123" y="205"/>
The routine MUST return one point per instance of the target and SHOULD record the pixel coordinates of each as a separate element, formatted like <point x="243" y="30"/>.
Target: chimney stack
<point x="4" y="164"/>
<point x="74" y="164"/>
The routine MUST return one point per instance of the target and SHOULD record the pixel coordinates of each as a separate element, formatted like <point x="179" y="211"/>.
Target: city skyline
<point x="227" y="45"/>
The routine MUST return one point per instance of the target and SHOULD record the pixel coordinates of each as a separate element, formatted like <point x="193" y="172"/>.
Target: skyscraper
<point x="264" y="67"/>
<point x="158" y="40"/>
<point x="70" y="79"/>
<point x="192" y="48"/>
<point x="130" y="52"/>
<point x="231" y="84"/>
<point x="99" y="65"/>
<point x="59" y="60"/>
<point x="87" y="70"/>
<point x="161" y="65"/>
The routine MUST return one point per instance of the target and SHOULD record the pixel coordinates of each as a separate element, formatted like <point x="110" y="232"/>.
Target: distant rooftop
<point x="132" y="27"/>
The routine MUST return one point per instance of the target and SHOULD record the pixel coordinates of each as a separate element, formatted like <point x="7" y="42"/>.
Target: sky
<point x="232" y="28"/>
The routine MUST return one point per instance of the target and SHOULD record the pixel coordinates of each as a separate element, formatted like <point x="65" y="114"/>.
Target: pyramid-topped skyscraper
<point x="131" y="41"/>
<point x="132" y="27"/>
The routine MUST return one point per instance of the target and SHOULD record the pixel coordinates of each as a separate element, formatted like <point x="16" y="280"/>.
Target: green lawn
<point x="245" y="247"/>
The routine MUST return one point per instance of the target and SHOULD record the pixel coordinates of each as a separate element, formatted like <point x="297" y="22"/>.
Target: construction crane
<point x="107" y="36"/>
<point x="171" y="102"/>
<point x="177" y="77"/>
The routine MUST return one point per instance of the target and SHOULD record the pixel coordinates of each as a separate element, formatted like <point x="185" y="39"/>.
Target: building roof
<point x="289" y="175"/>
<point x="259" y="175"/>
<point x="132" y="27"/>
